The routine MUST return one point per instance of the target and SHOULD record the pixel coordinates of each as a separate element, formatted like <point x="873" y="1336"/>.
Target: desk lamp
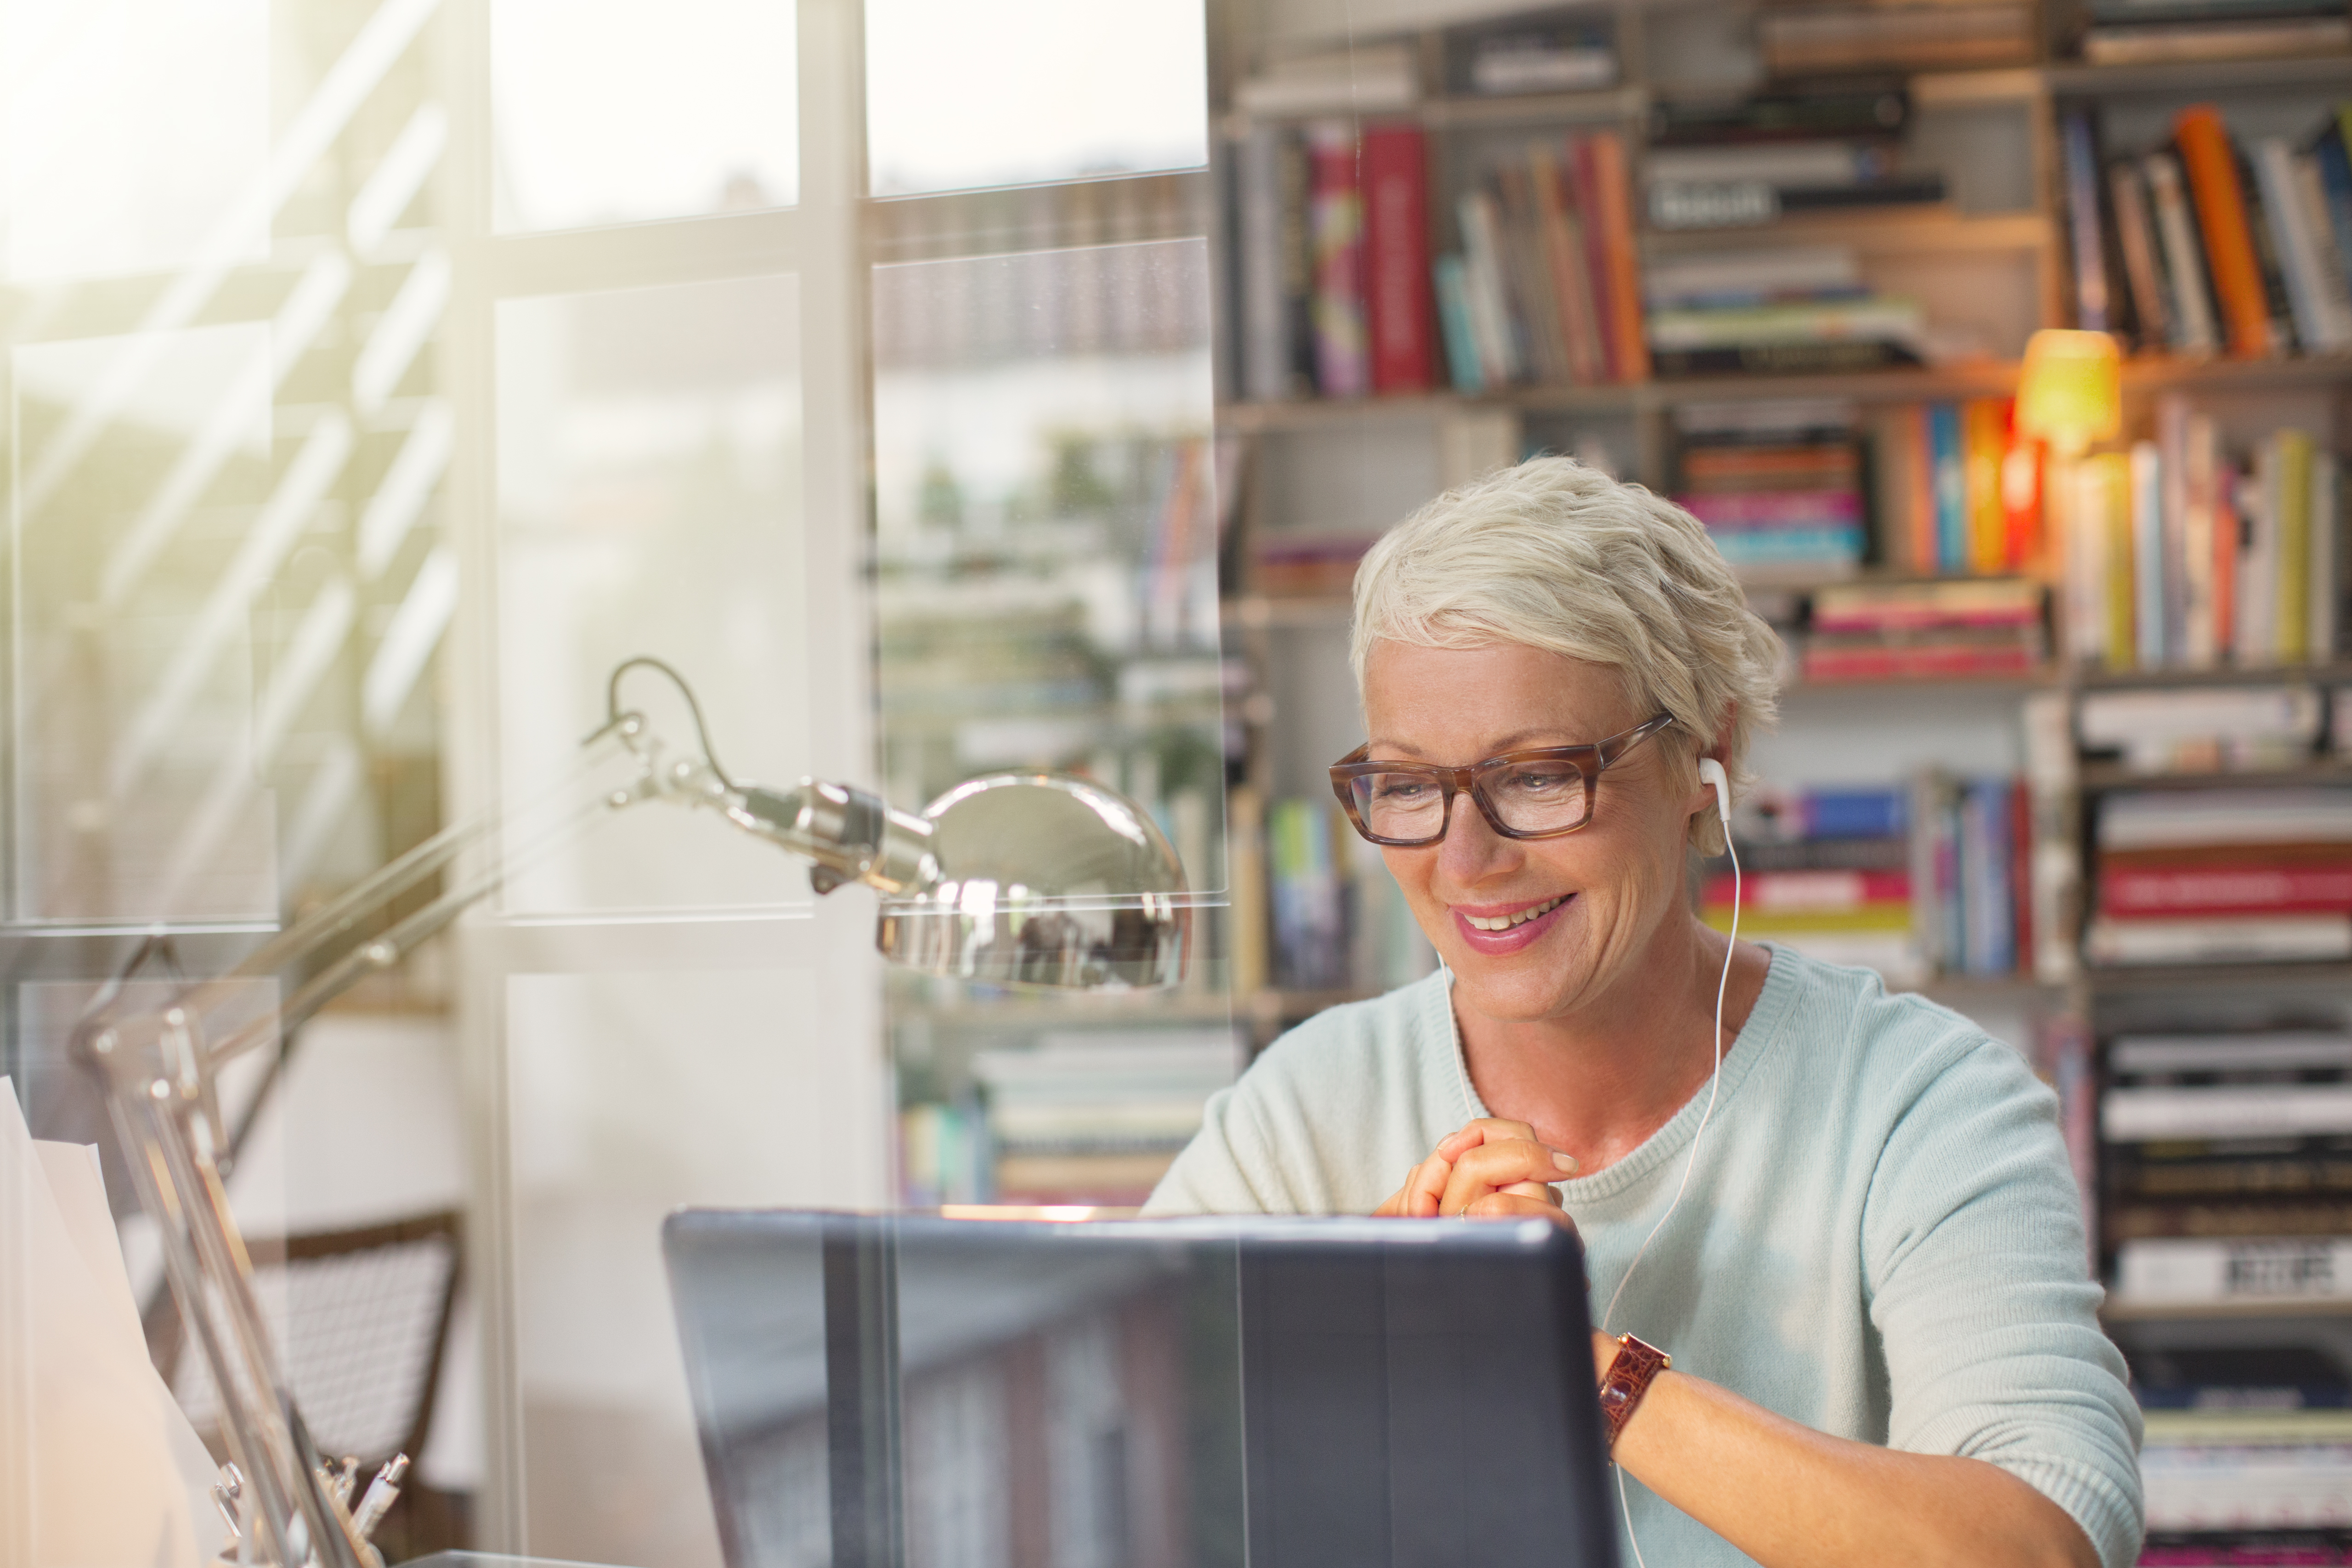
<point x="2070" y="394"/>
<point x="1025" y="878"/>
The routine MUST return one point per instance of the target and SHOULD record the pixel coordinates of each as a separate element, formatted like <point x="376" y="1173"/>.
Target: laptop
<point x="882" y="1390"/>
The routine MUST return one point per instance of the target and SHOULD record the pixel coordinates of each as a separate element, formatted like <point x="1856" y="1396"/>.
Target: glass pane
<point x="136" y="790"/>
<point x="611" y="111"/>
<point x="649" y="502"/>
<point x="92" y="188"/>
<point x="1048" y="511"/>
<point x="962" y="93"/>
<point x="630" y="1095"/>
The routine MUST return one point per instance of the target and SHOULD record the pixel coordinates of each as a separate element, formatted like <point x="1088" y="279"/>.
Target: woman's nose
<point x="1471" y="849"/>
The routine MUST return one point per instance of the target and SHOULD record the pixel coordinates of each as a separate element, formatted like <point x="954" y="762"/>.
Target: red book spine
<point x="2132" y="891"/>
<point x="1396" y="216"/>
<point x="1812" y="889"/>
<point x="1922" y="663"/>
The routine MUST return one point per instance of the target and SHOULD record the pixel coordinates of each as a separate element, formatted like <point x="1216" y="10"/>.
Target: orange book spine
<point x="2226" y="539"/>
<point x="1986" y="427"/>
<point x="2212" y="170"/>
<point x="1919" y="478"/>
<point x="1614" y="187"/>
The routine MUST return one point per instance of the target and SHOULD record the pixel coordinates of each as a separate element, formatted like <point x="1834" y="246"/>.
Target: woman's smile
<point x="1507" y="928"/>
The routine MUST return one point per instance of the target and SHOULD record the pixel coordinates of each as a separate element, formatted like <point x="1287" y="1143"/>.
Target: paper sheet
<point x="99" y="1467"/>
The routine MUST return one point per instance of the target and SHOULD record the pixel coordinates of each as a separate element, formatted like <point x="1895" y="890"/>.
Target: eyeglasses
<point x="1538" y="794"/>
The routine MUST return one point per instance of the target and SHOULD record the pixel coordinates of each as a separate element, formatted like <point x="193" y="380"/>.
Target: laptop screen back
<point x="882" y="1390"/>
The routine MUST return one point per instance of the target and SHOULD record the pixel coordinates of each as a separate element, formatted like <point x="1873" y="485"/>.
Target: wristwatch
<point x="1630" y="1372"/>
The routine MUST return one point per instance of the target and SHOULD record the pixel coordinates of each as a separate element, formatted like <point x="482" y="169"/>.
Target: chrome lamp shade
<point x="1045" y="880"/>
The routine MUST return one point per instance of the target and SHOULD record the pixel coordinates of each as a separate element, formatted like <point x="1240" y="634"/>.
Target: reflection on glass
<point x="629" y="1094"/>
<point x="93" y="187"/>
<point x="611" y="111"/>
<point x="962" y="93"/>
<point x="649" y="501"/>
<point x="136" y="793"/>
<point x="1047" y="521"/>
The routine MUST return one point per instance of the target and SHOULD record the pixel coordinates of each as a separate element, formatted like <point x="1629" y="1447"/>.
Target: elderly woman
<point x="1870" y="1270"/>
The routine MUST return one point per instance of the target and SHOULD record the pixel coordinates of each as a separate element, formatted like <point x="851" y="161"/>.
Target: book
<point x="2310" y="299"/>
<point x="2165" y="729"/>
<point x="1562" y="57"/>
<point x="2210" y="168"/>
<point x="1820" y="357"/>
<point x="1816" y="164"/>
<point x="2291" y="503"/>
<point x="2192" y="1271"/>
<point x="1564" y="250"/>
<point x="1534" y="302"/>
<point x="2193" y="42"/>
<point x="1488" y="295"/>
<point x="1367" y="79"/>
<point x="1858" y="112"/>
<point x="1744" y="204"/>
<point x="1396" y="258"/>
<point x="2236" y="939"/>
<point x="1946" y="36"/>
<point x="1336" y="226"/>
<point x="1948" y="455"/>
<point x="2208" y="1056"/>
<point x="2135" y="240"/>
<point x="1268" y="372"/>
<point x="1464" y="367"/>
<point x="2147" y="553"/>
<point x="2079" y="158"/>
<point x="1985" y="424"/>
<point x="2327" y="565"/>
<point x="2194" y="329"/>
<point x="2253" y="888"/>
<point x="2331" y="263"/>
<point x="1606" y="202"/>
<point x="2171" y="819"/>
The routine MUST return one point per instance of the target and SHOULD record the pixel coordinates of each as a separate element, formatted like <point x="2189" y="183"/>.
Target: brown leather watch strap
<point x="1630" y="1372"/>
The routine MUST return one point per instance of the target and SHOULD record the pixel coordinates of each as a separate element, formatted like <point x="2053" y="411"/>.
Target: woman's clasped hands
<point x="1491" y="1169"/>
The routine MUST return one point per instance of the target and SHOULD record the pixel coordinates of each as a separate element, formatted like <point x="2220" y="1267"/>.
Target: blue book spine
<point x="2082" y="159"/>
<point x="1758" y="546"/>
<point x="1949" y="463"/>
<point x="1856" y="813"/>
<point x="1462" y="364"/>
<point x="2336" y="179"/>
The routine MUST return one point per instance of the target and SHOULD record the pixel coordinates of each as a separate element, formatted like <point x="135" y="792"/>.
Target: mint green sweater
<point x="1882" y="1239"/>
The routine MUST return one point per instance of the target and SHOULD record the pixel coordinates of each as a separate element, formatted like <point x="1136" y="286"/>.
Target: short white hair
<point x="1552" y="554"/>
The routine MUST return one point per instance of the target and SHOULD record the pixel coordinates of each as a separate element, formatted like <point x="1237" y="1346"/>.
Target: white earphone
<point x="1710" y="772"/>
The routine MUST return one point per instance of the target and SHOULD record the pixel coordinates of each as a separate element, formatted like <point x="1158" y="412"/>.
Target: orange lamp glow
<point x="2071" y="392"/>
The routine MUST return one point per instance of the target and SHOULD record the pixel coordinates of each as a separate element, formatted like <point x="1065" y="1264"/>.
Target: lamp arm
<point x="160" y="1076"/>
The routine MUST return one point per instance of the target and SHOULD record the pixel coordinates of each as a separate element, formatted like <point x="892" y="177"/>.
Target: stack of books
<point x="1546" y="288"/>
<point x="2222" y="876"/>
<point x="2129" y="32"/>
<point x="1814" y="41"/>
<point x="1789" y="312"/>
<point x="1828" y="873"/>
<point x="1576" y="53"/>
<point x="1734" y="184"/>
<point x="1965" y="627"/>
<point x="2200" y="729"/>
<point x="2204" y="245"/>
<point x="1332" y="261"/>
<point x="2185" y="553"/>
<point x="1097" y="1118"/>
<point x="1971" y="854"/>
<point x="2248" y="1456"/>
<point x="1778" y="485"/>
<point x="1966" y="487"/>
<point x="2226" y="1167"/>
<point x="1305" y="563"/>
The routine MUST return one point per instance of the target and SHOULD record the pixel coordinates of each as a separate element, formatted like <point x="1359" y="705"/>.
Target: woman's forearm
<point x="1787" y="1495"/>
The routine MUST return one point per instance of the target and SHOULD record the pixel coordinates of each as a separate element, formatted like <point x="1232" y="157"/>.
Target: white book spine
<point x="2149" y="552"/>
<point x="2136" y="1115"/>
<point x="2283" y="207"/>
<point x="2336" y="280"/>
<point x="2184" y="261"/>
<point x="1490" y="314"/>
<point x="2258" y="567"/>
<point x="2190" y="1270"/>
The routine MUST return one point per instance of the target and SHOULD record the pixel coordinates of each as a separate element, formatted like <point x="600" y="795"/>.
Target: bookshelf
<point x="1995" y="257"/>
